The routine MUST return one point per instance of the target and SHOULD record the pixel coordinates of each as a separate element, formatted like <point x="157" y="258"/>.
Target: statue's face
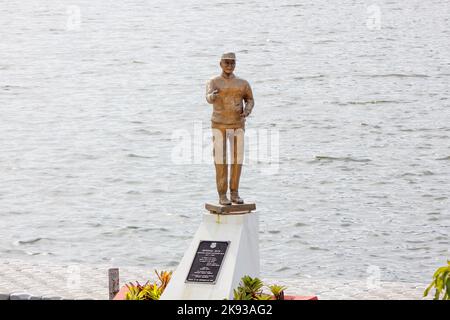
<point x="227" y="65"/>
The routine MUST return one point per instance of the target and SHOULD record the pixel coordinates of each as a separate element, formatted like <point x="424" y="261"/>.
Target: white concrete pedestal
<point x="241" y="258"/>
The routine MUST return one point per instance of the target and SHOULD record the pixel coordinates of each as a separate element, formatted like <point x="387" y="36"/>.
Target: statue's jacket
<point x="229" y="104"/>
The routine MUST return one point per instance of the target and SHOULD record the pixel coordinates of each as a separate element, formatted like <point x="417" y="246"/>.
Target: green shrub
<point x="441" y="283"/>
<point x="277" y="291"/>
<point x="149" y="291"/>
<point x="252" y="289"/>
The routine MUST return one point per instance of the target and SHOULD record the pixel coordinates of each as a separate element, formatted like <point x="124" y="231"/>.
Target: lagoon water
<point x="93" y="92"/>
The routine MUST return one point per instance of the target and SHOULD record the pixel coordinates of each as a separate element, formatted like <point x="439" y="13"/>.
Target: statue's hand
<point x="245" y="114"/>
<point x="213" y="95"/>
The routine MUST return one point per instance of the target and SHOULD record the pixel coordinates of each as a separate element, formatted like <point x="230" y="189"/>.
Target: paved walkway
<point x="91" y="282"/>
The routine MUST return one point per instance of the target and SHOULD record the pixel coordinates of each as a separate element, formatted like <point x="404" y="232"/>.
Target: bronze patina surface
<point x="232" y="101"/>
<point x="231" y="210"/>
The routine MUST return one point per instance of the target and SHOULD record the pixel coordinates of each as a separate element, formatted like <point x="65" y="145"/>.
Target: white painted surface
<point x="242" y="257"/>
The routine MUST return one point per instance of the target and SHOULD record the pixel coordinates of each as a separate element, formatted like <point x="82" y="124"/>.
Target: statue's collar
<point x="232" y="76"/>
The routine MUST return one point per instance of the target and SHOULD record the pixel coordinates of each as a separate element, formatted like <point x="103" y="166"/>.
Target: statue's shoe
<point x="236" y="199"/>
<point x="223" y="200"/>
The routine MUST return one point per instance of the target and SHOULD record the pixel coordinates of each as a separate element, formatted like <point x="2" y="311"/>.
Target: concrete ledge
<point x="52" y="298"/>
<point x="19" y="296"/>
<point x="4" y="296"/>
<point x="94" y="282"/>
<point x="28" y="296"/>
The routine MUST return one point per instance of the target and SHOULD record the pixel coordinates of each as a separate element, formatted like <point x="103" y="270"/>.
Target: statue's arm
<point x="249" y="101"/>
<point x="210" y="95"/>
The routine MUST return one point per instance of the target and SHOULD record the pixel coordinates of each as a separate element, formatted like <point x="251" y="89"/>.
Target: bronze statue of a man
<point x="227" y="93"/>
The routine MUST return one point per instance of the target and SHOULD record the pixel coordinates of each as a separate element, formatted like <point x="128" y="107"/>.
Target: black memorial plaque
<point x="207" y="261"/>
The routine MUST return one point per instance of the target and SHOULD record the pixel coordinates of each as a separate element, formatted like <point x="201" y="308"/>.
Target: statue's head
<point x="228" y="62"/>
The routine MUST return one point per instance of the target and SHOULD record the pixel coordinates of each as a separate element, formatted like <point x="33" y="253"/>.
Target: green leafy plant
<point x="149" y="291"/>
<point x="136" y="291"/>
<point x="277" y="291"/>
<point x="252" y="289"/>
<point x="441" y="283"/>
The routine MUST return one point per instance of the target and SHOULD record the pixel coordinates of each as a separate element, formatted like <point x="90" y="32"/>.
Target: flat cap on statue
<point x="228" y="56"/>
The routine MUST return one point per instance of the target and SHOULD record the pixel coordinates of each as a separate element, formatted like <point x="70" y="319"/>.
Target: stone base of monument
<point x="224" y="249"/>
